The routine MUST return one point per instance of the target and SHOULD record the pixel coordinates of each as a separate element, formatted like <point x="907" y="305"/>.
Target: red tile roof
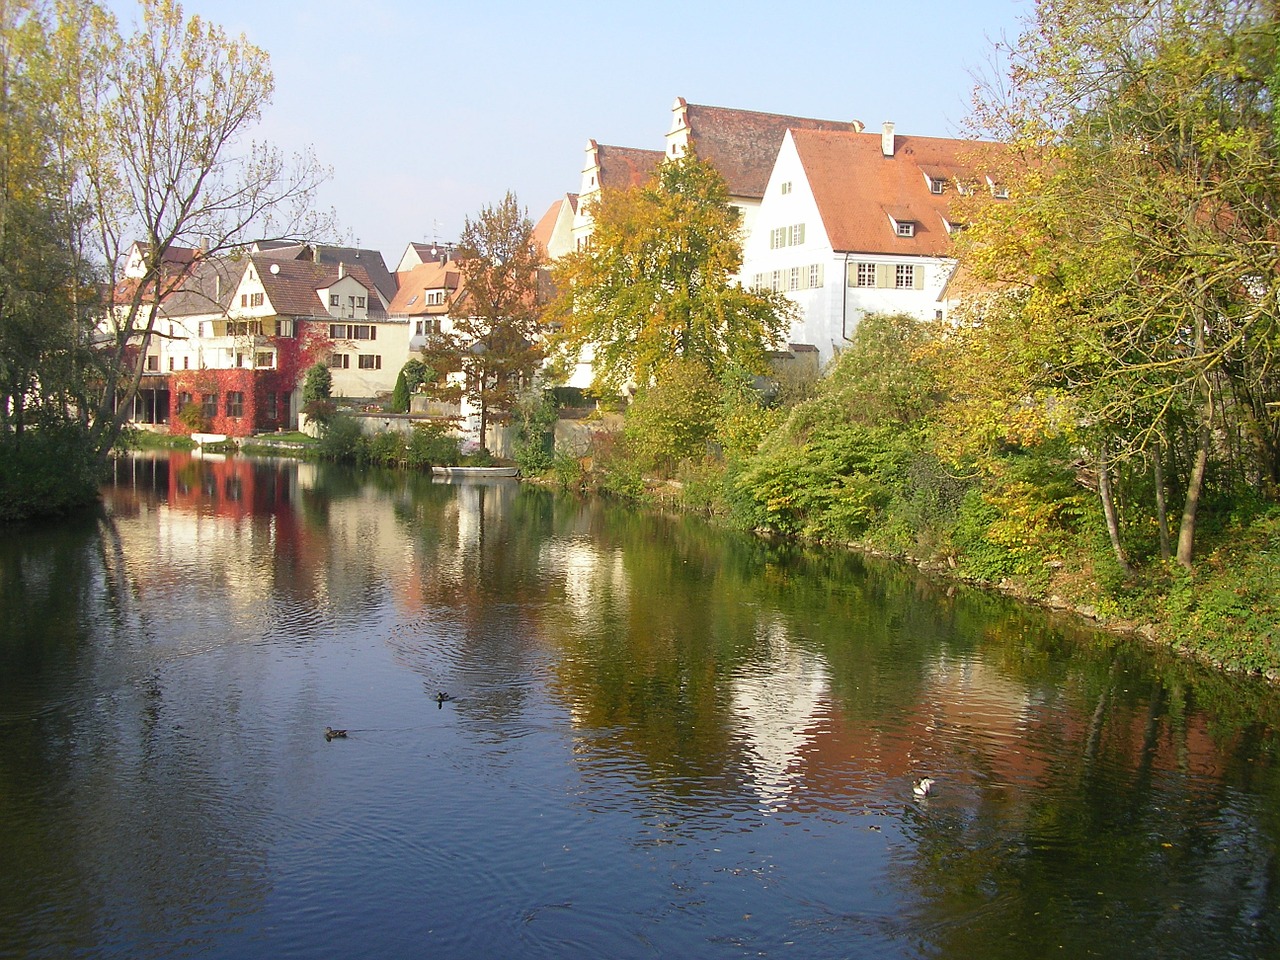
<point x="857" y="188"/>
<point x="625" y="167"/>
<point x="743" y="144"/>
<point x="410" y="300"/>
<point x="546" y="227"/>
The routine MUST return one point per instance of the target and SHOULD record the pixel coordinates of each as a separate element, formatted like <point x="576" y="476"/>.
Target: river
<point x="657" y="740"/>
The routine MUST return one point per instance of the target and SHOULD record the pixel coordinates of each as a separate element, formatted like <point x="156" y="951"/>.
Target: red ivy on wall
<point x="265" y="396"/>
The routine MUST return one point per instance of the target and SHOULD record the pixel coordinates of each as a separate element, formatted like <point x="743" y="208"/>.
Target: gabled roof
<point x="624" y="167"/>
<point x="207" y="288"/>
<point x="293" y="286"/>
<point x="857" y="188"/>
<point x="560" y="213"/>
<point x="371" y="260"/>
<point x="410" y="301"/>
<point x="743" y="144"/>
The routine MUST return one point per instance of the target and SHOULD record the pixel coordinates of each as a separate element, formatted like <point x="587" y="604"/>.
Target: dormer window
<point x="905" y="228"/>
<point x="998" y="190"/>
<point x="937" y="186"/>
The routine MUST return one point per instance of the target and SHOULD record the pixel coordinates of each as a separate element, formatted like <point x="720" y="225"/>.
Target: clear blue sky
<point x="452" y="105"/>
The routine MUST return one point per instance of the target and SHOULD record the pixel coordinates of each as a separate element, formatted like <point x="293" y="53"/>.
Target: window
<point x="786" y="186"/>
<point x="791" y="236"/>
<point x="793" y="279"/>
<point x="340" y="361"/>
<point x="359" y="301"/>
<point x="435" y="298"/>
<point x="255" y="299"/>
<point x="186" y="363"/>
<point x="235" y="403"/>
<point x="936" y="185"/>
<point x="284" y="327"/>
<point x="264" y="359"/>
<point x="353" y="331"/>
<point x="244" y="299"/>
<point x="333" y="300"/>
<point x="153" y="363"/>
<point x="184" y="400"/>
<point x="815" y="275"/>
<point x="171" y="364"/>
<point x="370" y="361"/>
<point x="776" y="280"/>
<point x="209" y="405"/>
<point x="273" y="406"/>
<point x="865" y="276"/>
<point x="905" y="228"/>
<point x="904" y="276"/>
<point x="244" y="328"/>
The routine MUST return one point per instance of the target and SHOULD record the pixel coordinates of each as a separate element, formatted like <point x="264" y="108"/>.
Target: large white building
<point x="854" y="222"/>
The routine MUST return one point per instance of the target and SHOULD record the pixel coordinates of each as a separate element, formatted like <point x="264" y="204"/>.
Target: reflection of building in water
<point x="779" y="700"/>
<point x="589" y="573"/>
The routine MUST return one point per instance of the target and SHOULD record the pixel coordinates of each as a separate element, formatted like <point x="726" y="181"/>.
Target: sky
<point x="428" y="112"/>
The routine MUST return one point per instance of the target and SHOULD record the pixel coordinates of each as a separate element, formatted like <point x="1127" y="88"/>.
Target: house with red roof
<point x="852" y="222"/>
<point x="235" y="335"/>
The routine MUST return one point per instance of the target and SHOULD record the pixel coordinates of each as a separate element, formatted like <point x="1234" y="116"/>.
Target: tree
<point x="1143" y="234"/>
<point x="655" y="284"/>
<point x="496" y="340"/>
<point x="152" y="133"/>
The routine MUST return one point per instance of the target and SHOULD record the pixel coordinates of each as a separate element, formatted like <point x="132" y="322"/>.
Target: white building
<point x="853" y="222"/>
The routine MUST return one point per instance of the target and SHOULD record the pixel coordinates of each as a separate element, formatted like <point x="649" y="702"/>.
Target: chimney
<point x="342" y="269"/>
<point x="886" y="139"/>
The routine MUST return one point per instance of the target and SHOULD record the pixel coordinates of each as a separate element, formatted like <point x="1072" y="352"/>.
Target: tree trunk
<point x="1109" y="509"/>
<point x="1187" y="529"/>
<point x="1162" y="505"/>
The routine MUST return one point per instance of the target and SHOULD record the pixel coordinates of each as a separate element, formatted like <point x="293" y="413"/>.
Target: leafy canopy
<point x="656" y="283"/>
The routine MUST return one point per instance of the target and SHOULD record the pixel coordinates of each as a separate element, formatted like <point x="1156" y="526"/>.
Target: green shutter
<point x="918" y="279"/>
<point x="884" y="275"/>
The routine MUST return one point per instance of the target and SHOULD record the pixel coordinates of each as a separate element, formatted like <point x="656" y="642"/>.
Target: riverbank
<point x="1225" y="614"/>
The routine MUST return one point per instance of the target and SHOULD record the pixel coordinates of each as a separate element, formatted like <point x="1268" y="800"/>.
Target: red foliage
<point x="266" y="401"/>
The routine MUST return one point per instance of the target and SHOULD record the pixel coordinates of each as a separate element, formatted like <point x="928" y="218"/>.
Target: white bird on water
<point x="921" y="788"/>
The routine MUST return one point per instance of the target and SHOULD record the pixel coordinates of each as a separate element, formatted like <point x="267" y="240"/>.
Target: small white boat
<point x="460" y="472"/>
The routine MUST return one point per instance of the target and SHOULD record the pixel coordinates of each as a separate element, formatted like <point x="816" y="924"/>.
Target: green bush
<point x="432" y="445"/>
<point x="341" y="441"/>
<point x="48" y="470"/>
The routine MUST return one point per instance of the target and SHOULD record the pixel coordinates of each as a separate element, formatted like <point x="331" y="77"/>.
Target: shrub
<point x="341" y="441"/>
<point x="318" y="384"/>
<point x="432" y="445"/>
<point x="47" y="470"/>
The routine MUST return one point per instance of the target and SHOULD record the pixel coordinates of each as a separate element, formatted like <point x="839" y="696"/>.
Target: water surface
<point x="663" y="741"/>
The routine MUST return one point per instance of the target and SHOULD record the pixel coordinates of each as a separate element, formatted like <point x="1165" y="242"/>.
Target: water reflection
<point x="662" y="740"/>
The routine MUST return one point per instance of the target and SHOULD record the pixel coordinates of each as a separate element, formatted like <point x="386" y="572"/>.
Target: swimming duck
<point x="443" y="697"/>
<point x="332" y="734"/>
<point x="921" y="788"/>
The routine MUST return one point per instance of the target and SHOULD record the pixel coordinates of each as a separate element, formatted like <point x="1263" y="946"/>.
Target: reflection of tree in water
<point x="1144" y="831"/>
<point x="474" y="594"/>
<point x="114" y="826"/>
